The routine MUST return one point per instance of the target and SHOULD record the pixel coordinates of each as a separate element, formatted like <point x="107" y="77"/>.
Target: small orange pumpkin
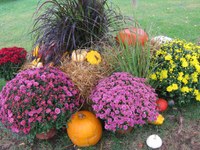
<point x="84" y="129"/>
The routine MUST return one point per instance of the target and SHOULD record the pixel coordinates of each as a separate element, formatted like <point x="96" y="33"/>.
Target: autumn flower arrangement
<point x="178" y="72"/>
<point x="11" y="59"/>
<point x="37" y="100"/>
<point x="123" y="101"/>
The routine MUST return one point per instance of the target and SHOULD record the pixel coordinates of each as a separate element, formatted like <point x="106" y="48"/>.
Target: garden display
<point x="84" y="129"/>
<point x="11" y="59"/>
<point x="90" y="72"/>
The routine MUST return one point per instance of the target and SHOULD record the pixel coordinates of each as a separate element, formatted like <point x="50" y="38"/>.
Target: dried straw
<point x="84" y="75"/>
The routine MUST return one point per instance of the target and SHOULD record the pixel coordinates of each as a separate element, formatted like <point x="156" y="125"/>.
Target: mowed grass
<point x="16" y="19"/>
<point x="173" y="18"/>
<point x="176" y="19"/>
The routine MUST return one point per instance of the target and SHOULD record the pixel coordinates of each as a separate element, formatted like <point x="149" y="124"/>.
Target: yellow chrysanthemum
<point x="180" y="76"/>
<point x="169" y="88"/>
<point x="184" y="64"/>
<point x="197" y="68"/>
<point x="93" y="57"/>
<point x="196" y="92"/>
<point x="188" y="56"/>
<point x="175" y="86"/>
<point x="194" y="77"/>
<point x="168" y="57"/>
<point x="163" y="74"/>
<point x="153" y="76"/>
<point x="198" y="97"/>
<point x="185" y="89"/>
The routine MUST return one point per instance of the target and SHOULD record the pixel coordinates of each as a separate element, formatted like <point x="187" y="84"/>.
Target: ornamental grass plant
<point x="134" y="59"/>
<point x="37" y="100"/>
<point x="178" y="72"/>
<point x="11" y="59"/>
<point x="123" y="101"/>
<point x="67" y="25"/>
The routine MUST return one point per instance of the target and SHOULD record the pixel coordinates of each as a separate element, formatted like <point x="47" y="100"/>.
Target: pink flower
<point x="57" y="111"/>
<point x="48" y="110"/>
<point x="30" y="120"/>
<point x="17" y="98"/>
<point x="26" y="130"/>
<point x="39" y="118"/>
<point x="23" y="122"/>
<point x="15" y="129"/>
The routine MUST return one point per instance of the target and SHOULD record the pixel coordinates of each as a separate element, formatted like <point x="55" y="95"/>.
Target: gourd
<point x="131" y="36"/>
<point x="160" y="119"/>
<point x="84" y="129"/>
<point x="154" y="141"/>
<point x="161" y="105"/>
<point x="78" y="55"/>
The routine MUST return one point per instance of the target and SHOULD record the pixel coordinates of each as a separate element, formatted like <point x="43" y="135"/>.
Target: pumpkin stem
<point x="81" y="116"/>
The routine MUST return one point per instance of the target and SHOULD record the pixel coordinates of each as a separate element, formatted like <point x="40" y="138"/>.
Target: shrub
<point x="37" y="100"/>
<point x="178" y="72"/>
<point x="11" y="59"/>
<point x="123" y="101"/>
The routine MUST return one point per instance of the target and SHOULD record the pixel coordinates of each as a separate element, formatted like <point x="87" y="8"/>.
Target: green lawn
<point x="174" y="18"/>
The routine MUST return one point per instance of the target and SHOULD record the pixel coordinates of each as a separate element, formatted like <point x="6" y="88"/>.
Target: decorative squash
<point x="160" y="119"/>
<point x="93" y="57"/>
<point x="84" y="129"/>
<point x="132" y="35"/>
<point x="79" y="55"/>
<point x="161" y="104"/>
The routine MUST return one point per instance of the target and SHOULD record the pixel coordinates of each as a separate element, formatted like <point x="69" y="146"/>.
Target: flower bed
<point x="37" y="100"/>
<point x="178" y="73"/>
<point x="11" y="59"/>
<point x="124" y="101"/>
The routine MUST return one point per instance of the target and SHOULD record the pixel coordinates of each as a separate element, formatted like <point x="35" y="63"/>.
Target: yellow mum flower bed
<point x="178" y="71"/>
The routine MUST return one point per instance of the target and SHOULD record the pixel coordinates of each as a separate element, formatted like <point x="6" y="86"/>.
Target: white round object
<point x="39" y="65"/>
<point x="161" y="39"/>
<point x="154" y="141"/>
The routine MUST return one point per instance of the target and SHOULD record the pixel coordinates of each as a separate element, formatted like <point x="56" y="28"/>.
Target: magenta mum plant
<point x="37" y="100"/>
<point x="123" y="101"/>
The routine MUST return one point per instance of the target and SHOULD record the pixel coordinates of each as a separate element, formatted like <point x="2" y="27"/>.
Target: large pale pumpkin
<point x="84" y="129"/>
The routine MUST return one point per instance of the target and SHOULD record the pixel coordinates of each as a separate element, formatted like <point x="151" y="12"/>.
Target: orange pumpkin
<point x="84" y="129"/>
<point x="132" y="35"/>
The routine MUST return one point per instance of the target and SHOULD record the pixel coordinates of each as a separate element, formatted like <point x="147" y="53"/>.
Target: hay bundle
<point x="84" y="75"/>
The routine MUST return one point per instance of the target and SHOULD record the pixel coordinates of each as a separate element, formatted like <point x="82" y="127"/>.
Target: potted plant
<point x="124" y="101"/>
<point x="178" y="72"/>
<point x="37" y="100"/>
<point x="11" y="59"/>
